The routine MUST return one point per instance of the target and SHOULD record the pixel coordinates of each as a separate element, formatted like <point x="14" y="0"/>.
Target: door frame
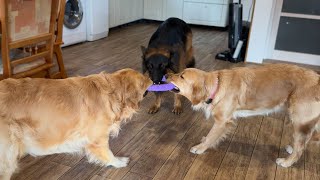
<point x="288" y="56"/>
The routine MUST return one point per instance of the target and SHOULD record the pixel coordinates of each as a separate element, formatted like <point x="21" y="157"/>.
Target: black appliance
<point x="237" y="37"/>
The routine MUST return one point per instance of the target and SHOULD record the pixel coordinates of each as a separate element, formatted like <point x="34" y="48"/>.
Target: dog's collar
<point x="214" y="91"/>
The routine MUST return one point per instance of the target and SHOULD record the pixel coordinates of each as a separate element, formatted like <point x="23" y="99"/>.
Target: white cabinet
<point x="172" y="8"/>
<point x="202" y="12"/>
<point x="153" y="9"/>
<point x="124" y="11"/>
<point x="130" y="10"/>
<point x="162" y="9"/>
<point x="114" y="13"/>
<point x="206" y="12"/>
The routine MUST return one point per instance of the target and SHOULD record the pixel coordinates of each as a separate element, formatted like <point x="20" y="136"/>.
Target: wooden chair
<point x="58" y="41"/>
<point x="31" y="34"/>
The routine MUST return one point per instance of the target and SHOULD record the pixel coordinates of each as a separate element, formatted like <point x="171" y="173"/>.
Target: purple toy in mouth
<point x="162" y="87"/>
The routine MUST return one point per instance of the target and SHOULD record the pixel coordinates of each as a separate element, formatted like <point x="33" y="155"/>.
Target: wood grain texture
<point x="263" y="160"/>
<point x="133" y="176"/>
<point x="180" y="160"/>
<point x="156" y="155"/>
<point x="237" y="158"/>
<point x="296" y="171"/>
<point x="158" y="145"/>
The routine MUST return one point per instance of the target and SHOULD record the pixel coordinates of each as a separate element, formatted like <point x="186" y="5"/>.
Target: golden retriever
<point x="41" y="116"/>
<point x="241" y="92"/>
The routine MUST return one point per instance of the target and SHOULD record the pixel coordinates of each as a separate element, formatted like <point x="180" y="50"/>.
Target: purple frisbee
<point x="161" y="87"/>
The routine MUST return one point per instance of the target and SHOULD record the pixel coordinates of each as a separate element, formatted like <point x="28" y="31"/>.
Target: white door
<point x="294" y="36"/>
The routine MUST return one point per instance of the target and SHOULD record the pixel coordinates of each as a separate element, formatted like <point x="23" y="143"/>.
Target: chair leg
<point x="48" y="74"/>
<point x="58" y="53"/>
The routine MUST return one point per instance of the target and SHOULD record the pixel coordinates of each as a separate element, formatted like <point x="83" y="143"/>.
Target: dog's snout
<point x="157" y="82"/>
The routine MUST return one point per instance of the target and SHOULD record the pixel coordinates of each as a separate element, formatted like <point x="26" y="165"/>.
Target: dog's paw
<point x="289" y="149"/>
<point x="119" y="162"/>
<point x="177" y="110"/>
<point x="283" y="162"/>
<point x="198" y="149"/>
<point x="153" y="109"/>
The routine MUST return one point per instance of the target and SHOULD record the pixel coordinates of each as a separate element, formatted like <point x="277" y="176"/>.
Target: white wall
<point x="259" y="31"/>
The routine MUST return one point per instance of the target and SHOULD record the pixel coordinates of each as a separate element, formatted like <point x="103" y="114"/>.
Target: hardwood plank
<point x="97" y="177"/>
<point x="67" y="159"/>
<point x="181" y="159"/>
<point x="296" y="171"/>
<point x="142" y="141"/>
<point x="237" y="158"/>
<point x="262" y="164"/>
<point x="31" y="166"/>
<point x="82" y="170"/>
<point x="206" y="165"/>
<point x="133" y="176"/>
<point x="312" y="171"/>
<point x="49" y="170"/>
<point x="156" y="155"/>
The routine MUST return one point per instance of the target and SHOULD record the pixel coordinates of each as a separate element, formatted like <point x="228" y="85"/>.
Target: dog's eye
<point x="181" y="76"/>
<point x="150" y="66"/>
<point x="163" y="66"/>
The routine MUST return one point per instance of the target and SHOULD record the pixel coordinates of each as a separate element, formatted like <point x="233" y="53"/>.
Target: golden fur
<point x="250" y="91"/>
<point x="42" y="116"/>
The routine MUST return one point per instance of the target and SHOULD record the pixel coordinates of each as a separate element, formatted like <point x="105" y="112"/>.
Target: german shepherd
<point x="169" y="50"/>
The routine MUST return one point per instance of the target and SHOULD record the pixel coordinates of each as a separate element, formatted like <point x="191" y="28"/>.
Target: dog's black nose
<point x="156" y="82"/>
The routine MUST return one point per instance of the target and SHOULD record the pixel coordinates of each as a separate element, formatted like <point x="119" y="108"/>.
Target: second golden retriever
<point x="41" y="116"/>
<point x="241" y="92"/>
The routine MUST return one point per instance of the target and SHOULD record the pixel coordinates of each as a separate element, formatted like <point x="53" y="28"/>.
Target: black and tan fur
<point x="169" y="50"/>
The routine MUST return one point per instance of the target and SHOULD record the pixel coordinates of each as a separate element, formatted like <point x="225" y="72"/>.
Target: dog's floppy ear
<point x="196" y="96"/>
<point x="199" y="92"/>
<point x="129" y="93"/>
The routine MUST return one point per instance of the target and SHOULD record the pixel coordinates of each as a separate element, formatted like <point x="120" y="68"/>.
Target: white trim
<point x="261" y="21"/>
<point x="274" y="28"/>
<point x="305" y="16"/>
<point x="295" y="57"/>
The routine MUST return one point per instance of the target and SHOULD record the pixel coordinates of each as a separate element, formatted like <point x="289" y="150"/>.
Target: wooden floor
<point x="158" y="145"/>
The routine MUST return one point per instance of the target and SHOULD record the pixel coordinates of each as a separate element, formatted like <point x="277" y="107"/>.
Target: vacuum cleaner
<point x="237" y="37"/>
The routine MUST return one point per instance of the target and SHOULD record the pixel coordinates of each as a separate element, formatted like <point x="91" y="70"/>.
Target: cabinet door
<point x="203" y="13"/>
<point x="173" y="8"/>
<point x="126" y="10"/>
<point x="153" y="9"/>
<point x="112" y="13"/>
<point x="135" y="10"/>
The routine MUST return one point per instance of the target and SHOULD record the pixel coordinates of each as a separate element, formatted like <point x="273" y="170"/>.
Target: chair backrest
<point x="29" y="26"/>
